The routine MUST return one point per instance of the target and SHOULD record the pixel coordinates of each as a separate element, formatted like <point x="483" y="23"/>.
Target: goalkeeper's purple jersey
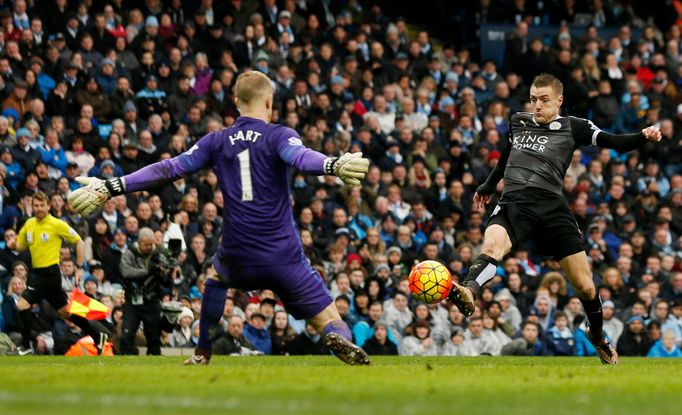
<point x="251" y="159"/>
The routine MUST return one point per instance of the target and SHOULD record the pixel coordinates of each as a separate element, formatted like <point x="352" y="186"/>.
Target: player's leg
<point x="306" y="296"/>
<point x="212" y="307"/>
<point x="337" y="336"/>
<point x="496" y="244"/>
<point x="577" y="268"/>
<point x="560" y="236"/>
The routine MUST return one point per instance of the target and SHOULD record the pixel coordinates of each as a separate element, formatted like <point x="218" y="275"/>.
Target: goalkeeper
<point x="260" y="245"/>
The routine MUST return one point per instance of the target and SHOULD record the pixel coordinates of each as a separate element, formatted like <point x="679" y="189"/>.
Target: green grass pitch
<point x="323" y="385"/>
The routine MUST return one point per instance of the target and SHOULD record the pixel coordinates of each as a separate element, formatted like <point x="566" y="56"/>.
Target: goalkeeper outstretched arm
<point x="351" y="168"/>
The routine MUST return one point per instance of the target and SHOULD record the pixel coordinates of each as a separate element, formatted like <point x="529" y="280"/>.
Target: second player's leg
<point x="496" y="244"/>
<point x="577" y="268"/>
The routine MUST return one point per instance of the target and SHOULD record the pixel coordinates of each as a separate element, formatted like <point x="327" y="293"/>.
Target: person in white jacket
<point x="182" y="335"/>
<point x="421" y="344"/>
<point x="483" y="342"/>
<point x="457" y="346"/>
<point x="509" y="310"/>
<point x="398" y="315"/>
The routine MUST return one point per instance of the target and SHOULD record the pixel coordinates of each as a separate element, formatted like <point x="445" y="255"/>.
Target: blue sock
<point x="212" y="306"/>
<point x="339" y="327"/>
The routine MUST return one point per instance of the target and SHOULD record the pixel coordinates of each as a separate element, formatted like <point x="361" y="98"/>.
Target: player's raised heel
<point x="607" y="353"/>
<point x="200" y="357"/>
<point x="463" y="298"/>
<point x="346" y="350"/>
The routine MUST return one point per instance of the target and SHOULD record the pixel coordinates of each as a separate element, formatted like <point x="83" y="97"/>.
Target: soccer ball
<point x="430" y="282"/>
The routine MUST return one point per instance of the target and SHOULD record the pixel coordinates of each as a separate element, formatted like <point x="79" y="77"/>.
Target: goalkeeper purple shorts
<point x="298" y="285"/>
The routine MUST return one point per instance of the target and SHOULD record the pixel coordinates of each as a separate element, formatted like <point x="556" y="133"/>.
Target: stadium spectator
<point x="480" y="340"/>
<point x="420" y="342"/>
<point x="635" y="339"/>
<point x="233" y="340"/>
<point x="528" y="344"/>
<point x="282" y="334"/>
<point x="256" y="333"/>
<point x="182" y="334"/>
<point x="665" y="347"/>
<point x="308" y="342"/>
<point x="379" y="344"/>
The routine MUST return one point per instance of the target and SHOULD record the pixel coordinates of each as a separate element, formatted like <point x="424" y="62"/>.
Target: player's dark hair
<point x="41" y="197"/>
<point x="546" y="79"/>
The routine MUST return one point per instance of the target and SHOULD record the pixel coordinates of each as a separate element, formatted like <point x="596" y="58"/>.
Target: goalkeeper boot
<point x="607" y="353"/>
<point x="100" y="342"/>
<point x="345" y="349"/>
<point x="200" y="357"/>
<point x="463" y="297"/>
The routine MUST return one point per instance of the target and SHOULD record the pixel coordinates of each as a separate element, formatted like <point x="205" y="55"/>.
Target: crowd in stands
<point x="102" y="88"/>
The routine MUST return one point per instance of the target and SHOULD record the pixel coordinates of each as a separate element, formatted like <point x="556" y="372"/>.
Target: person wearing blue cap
<point x="151" y="100"/>
<point x="23" y="153"/>
<point x="12" y="117"/>
<point x="446" y="102"/>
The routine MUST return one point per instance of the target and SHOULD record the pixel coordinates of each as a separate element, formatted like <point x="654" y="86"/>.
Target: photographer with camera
<point x="145" y="272"/>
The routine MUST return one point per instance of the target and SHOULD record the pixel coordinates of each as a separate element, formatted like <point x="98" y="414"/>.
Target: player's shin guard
<point x="26" y="320"/>
<point x="212" y="307"/>
<point x="481" y="271"/>
<point x="594" y="315"/>
<point x="340" y="327"/>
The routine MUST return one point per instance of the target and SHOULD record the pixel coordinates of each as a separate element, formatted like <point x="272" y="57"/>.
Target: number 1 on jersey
<point x="245" y="175"/>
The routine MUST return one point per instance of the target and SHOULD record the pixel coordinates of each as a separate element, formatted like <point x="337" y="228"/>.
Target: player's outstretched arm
<point x="586" y="134"/>
<point x="628" y="142"/>
<point x="350" y="167"/>
<point x="95" y="192"/>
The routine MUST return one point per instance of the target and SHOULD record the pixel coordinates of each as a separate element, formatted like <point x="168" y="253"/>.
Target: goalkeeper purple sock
<point x="212" y="307"/>
<point x="339" y="327"/>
